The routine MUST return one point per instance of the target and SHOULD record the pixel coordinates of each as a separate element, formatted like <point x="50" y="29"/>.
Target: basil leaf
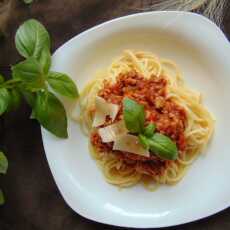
<point x="134" y="115"/>
<point x="143" y="141"/>
<point x="15" y="99"/>
<point x="31" y="38"/>
<point x="1" y="78"/>
<point x="149" y="130"/>
<point x="2" y="199"/>
<point x="30" y="73"/>
<point x="49" y="111"/>
<point x="45" y="60"/>
<point x="4" y="100"/>
<point x="3" y="163"/>
<point x="62" y="84"/>
<point x="163" y="146"/>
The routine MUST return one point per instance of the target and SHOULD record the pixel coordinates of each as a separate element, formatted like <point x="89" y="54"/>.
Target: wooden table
<point x="33" y="200"/>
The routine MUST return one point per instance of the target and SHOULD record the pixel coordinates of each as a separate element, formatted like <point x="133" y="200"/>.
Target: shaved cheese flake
<point x="111" y="132"/>
<point x="103" y="109"/>
<point x="130" y="143"/>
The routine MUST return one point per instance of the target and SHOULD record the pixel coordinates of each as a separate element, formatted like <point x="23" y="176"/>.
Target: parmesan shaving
<point x="103" y="109"/>
<point x="111" y="132"/>
<point x="130" y="143"/>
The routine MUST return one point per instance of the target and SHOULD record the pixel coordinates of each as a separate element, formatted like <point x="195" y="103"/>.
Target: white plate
<point x="202" y="52"/>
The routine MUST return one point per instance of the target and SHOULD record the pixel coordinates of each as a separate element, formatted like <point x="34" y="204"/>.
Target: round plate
<point x="202" y="52"/>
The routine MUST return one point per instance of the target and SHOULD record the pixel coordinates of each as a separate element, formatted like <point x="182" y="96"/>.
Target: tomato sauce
<point x="169" y="117"/>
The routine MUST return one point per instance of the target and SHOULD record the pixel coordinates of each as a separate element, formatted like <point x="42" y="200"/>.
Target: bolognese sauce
<point x="169" y="117"/>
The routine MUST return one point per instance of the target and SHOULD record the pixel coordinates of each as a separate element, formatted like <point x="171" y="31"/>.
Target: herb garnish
<point x="32" y="77"/>
<point x="157" y="143"/>
<point x="31" y="80"/>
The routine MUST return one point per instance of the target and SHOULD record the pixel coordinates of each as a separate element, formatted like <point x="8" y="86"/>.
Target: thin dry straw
<point x="213" y="9"/>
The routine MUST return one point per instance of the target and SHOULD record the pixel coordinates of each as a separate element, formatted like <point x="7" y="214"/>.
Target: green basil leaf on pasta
<point x="50" y="113"/>
<point x="4" y="100"/>
<point x="163" y="146"/>
<point x="3" y="163"/>
<point x="31" y="38"/>
<point x="144" y="141"/>
<point x="134" y="115"/>
<point x="62" y="84"/>
<point x="149" y="130"/>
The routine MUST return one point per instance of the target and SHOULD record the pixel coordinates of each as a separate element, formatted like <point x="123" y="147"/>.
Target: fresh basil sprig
<point x="32" y="77"/>
<point x="159" y="144"/>
<point x="33" y="42"/>
<point x="31" y="80"/>
<point x="3" y="170"/>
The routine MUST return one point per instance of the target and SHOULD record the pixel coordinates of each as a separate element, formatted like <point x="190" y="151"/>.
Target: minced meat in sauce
<point x="169" y="117"/>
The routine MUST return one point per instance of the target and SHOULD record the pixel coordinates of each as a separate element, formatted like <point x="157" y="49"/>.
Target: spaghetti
<point x="177" y="111"/>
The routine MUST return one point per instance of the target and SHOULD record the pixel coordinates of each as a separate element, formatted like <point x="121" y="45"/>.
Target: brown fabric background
<point x="33" y="201"/>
